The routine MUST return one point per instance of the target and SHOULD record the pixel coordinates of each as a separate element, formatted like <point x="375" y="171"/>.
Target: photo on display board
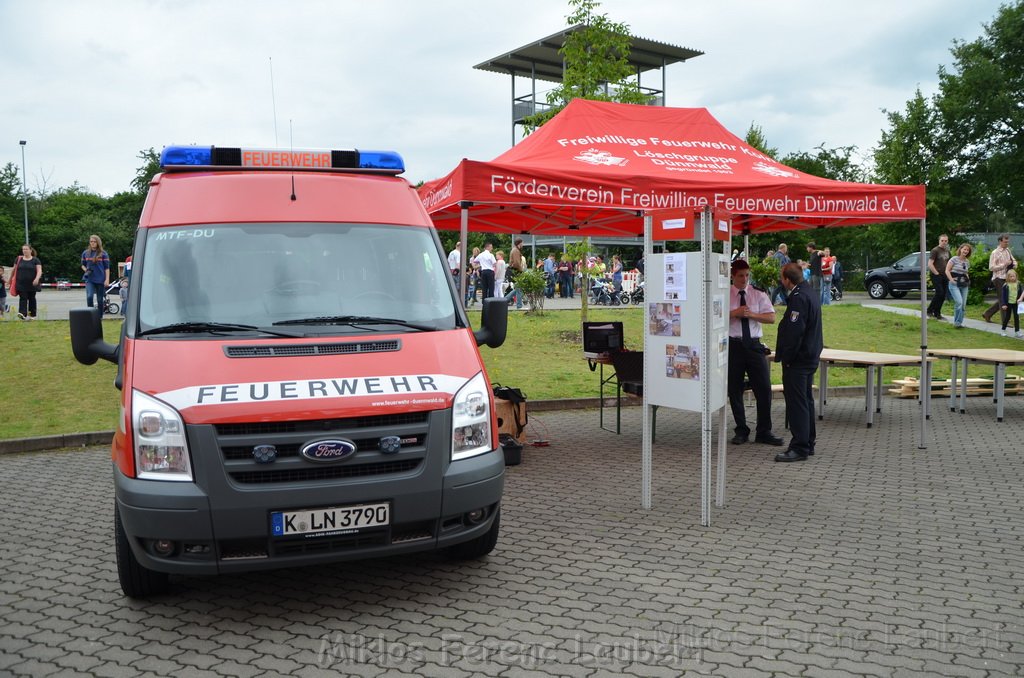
<point x="723" y="268"/>
<point x="663" y="320"/>
<point x="682" y="362"/>
<point x="718" y="312"/>
<point x="723" y="350"/>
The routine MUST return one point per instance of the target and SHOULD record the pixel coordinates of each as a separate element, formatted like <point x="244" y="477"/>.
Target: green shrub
<point x="531" y="283"/>
<point x="981" y="277"/>
<point x="765" y="274"/>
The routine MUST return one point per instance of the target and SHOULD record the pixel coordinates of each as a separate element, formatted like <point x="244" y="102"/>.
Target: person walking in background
<point x="25" y="278"/>
<point x="749" y="309"/>
<point x="999" y="262"/>
<point x="798" y="348"/>
<point x="486" y="262"/>
<point x="454" y="265"/>
<point x="814" y="263"/>
<point x="515" y="258"/>
<point x="500" y="268"/>
<point x="837" y="278"/>
<point x="123" y="293"/>
<point x="827" y="262"/>
<point x="516" y="265"/>
<point x="958" y="273"/>
<point x="550" y="272"/>
<point x="565" y="281"/>
<point x="95" y="272"/>
<point x="781" y="255"/>
<point x="617" y="273"/>
<point x="1011" y="296"/>
<point x="472" y="277"/>
<point x="3" y="294"/>
<point x="937" y="260"/>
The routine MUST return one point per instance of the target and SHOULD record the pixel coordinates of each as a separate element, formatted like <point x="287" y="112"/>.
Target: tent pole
<point x="706" y="233"/>
<point x="645" y="447"/>
<point x="924" y="390"/>
<point x="463" y="236"/>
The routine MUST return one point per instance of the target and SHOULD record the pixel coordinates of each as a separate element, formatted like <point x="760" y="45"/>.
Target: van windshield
<point x="262" y="274"/>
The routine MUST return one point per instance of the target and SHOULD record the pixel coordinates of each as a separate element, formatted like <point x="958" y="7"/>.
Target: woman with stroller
<point x="95" y="272"/>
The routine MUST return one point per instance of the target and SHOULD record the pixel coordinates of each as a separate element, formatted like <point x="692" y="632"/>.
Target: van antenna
<point x="273" y="97"/>
<point x="291" y="147"/>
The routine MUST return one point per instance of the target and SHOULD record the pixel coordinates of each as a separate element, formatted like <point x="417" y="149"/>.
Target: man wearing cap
<point x="798" y="347"/>
<point x="749" y="308"/>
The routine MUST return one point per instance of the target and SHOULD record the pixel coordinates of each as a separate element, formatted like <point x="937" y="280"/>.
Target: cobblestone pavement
<point x="873" y="558"/>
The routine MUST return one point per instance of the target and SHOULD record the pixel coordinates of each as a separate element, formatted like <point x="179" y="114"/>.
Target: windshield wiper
<point x="356" y="320"/>
<point x="212" y="327"/>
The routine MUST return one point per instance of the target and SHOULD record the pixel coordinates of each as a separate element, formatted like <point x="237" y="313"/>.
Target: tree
<point x="982" y="117"/>
<point x="596" y="64"/>
<point x="144" y="174"/>
<point x="756" y="138"/>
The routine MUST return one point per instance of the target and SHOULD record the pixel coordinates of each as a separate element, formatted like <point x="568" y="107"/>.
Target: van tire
<point x="136" y="581"/>
<point x="479" y="547"/>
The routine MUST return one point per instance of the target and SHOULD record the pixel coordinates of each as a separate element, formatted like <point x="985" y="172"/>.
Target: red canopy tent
<point x="596" y="167"/>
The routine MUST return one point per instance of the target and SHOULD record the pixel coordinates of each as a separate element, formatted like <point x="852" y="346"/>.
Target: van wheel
<point x="898" y="294"/>
<point x="877" y="289"/>
<point x="479" y="547"/>
<point x="136" y="581"/>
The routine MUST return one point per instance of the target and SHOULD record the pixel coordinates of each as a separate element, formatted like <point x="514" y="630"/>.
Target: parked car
<point x="898" y="278"/>
<point x="63" y="284"/>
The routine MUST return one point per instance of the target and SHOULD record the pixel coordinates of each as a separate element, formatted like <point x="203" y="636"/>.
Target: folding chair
<point x="629" y="375"/>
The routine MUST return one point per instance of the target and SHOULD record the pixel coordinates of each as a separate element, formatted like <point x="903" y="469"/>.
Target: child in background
<point x="1011" y="296"/>
<point x="123" y="292"/>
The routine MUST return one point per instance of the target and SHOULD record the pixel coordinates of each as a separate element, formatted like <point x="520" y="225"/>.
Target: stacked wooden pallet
<point x="908" y="387"/>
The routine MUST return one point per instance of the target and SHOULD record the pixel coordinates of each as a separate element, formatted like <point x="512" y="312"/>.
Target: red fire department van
<point x="299" y="382"/>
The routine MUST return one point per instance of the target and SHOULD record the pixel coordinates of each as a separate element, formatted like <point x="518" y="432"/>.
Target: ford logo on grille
<point x="328" y="450"/>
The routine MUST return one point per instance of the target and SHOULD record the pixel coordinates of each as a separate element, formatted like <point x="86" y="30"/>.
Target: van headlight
<point x="471" y="419"/>
<point x="161" y="451"/>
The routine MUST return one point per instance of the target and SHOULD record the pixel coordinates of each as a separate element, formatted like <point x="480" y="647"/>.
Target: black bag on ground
<point x="516" y="397"/>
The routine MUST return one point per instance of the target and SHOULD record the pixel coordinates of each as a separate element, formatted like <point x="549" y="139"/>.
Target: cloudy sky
<point x="91" y="84"/>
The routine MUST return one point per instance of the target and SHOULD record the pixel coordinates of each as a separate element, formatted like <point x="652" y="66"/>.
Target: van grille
<point x="238" y="441"/>
<point x="325" y="472"/>
<point x="291" y="350"/>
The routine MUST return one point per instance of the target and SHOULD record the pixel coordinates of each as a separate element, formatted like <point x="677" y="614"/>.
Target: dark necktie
<point x="745" y="322"/>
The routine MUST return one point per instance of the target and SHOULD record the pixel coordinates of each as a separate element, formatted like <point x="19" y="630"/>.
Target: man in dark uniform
<point x="798" y="348"/>
<point x="748" y="309"/>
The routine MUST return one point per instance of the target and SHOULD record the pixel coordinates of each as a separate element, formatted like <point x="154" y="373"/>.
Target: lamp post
<point x="24" y="191"/>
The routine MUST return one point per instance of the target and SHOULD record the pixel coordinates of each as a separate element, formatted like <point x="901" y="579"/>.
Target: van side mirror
<point x="493" y="322"/>
<point x="87" y="337"/>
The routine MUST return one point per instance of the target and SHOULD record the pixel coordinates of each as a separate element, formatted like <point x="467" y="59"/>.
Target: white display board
<point x="675" y="308"/>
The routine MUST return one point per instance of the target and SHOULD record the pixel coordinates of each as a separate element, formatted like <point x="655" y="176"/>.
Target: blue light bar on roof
<point x="388" y="162"/>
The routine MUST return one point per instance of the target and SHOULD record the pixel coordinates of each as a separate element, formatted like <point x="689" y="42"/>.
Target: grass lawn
<point x="49" y="392"/>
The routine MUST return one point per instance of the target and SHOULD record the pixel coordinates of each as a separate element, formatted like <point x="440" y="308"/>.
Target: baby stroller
<point x="111" y="297"/>
<point x="604" y="293"/>
<point x="637" y="297"/>
<point x="114" y="288"/>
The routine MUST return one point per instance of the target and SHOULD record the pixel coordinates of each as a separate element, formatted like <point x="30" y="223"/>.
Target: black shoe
<point x="769" y="439"/>
<point x="740" y="438"/>
<point x="791" y="455"/>
<point x="811" y="453"/>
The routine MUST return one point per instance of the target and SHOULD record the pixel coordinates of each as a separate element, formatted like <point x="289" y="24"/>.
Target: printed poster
<point x="675" y="277"/>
